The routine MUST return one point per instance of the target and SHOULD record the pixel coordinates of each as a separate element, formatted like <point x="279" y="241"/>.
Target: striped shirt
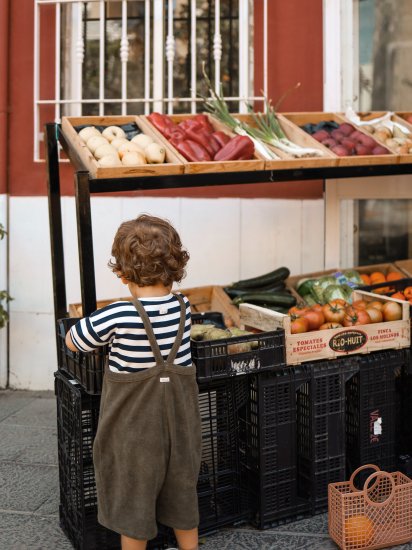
<point x="120" y="325"/>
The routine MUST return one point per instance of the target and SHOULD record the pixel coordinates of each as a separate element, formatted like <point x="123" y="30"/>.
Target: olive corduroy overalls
<point x="147" y="448"/>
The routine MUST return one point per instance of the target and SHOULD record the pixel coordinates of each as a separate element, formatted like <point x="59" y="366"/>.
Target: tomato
<point x="314" y="318"/>
<point x="338" y="301"/>
<point x="334" y="313"/>
<point x="299" y="325"/>
<point x="376" y="304"/>
<point x="359" y="304"/>
<point x="298" y="310"/>
<point x="398" y="295"/>
<point x="365" y="278"/>
<point x="327" y="326"/>
<point x="392" y="311"/>
<point x="375" y="315"/>
<point x="394" y="276"/>
<point x="408" y="292"/>
<point x="355" y="316"/>
<point x="317" y="307"/>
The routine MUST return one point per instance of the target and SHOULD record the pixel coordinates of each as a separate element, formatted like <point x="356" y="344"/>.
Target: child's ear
<point x="124" y="281"/>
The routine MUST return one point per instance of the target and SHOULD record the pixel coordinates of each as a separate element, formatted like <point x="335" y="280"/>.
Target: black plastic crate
<point x="86" y="368"/>
<point x="223" y="358"/>
<point x="371" y="410"/>
<point x="219" y="488"/>
<point x="403" y="402"/>
<point x="268" y="440"/>
<point x="321" y="428"/>
<point x="77" y="419"/>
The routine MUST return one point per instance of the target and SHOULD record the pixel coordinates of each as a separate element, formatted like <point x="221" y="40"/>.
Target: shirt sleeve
<point x="92" y="332"/>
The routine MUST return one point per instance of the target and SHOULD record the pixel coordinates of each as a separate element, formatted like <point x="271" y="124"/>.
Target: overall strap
<point x="173" y="352"/>
<point x="149" y="331"/>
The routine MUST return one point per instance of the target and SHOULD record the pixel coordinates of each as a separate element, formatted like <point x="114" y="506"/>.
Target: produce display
<point x="344" y="139"/>
<point x="321" y="290"/>
<point x="341" y="313"/>
<point x="111" y="147"/>
<point x="210" y="332"/>
<point x="197" y="140"/>
<point x="268" y="290"/>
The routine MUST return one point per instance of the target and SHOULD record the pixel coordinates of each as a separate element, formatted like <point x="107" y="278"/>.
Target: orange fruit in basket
<point x="377" y="277"/>
<point x="365" y="278"/>
<point x="359" y="531"/>
<point x="393" y="276"/>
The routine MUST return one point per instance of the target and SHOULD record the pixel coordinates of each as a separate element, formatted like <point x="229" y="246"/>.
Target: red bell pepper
<point x="204" y="121"/>
<point x="198" y="134"/>
<point x="162" y="122"/>
<point x="221" y="138"/>
<point x="193" y="151"/>
<point x="238" y="148"/>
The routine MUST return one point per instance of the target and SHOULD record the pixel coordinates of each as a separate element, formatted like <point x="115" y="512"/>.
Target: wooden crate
<point x="257" y="163"/>
<point x="405" y="266"/>
<point x="173" y="164"/>
<point x="212" y="298"/>
<point x="299" y="119"/>
<point x="300" y="137"/>
<point x="403" y="158"/>
<point x="333" y="343"/>
<point x="201" y="298"/>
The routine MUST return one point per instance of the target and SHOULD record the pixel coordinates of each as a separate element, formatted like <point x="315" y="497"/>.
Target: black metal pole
<point x="55" y="221"/>
<point x="85" y="242"/>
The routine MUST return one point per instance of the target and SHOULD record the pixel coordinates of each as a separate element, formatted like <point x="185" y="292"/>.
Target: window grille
<point x="137" y="56"/>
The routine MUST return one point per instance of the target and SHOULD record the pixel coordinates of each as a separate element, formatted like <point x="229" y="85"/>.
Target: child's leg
<point x="133" y="544"/>
<point x="187" y="540"/>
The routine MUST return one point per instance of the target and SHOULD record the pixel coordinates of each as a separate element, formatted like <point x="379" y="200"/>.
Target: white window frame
<point x="163" y="55"/>
<point x="341" y="89"/>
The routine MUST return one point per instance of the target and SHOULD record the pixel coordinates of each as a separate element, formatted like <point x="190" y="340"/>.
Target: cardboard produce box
<point x="405" y="266"/>
<point x="333" y="343"/>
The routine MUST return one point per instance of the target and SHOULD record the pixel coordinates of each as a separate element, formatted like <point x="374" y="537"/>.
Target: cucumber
<point x="269" y="298"/>
<point x="234" y="292"/>
<point x="273" y="277"/>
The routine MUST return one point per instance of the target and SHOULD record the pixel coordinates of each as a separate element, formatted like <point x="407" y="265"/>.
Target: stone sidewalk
<point x="29" y="491"/>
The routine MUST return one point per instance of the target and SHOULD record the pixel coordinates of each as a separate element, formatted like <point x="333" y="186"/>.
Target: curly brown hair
<point x="148" y="251"/>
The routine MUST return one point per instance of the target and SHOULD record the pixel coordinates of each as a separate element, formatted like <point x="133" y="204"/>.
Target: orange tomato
<point x="398" y="295"/>
<point x="408" y="292"/>
<point x="359" y="531"/>
<point x="393" y="276"/>
<point x="314" y="318"/>
<point x="327" y="326"/>
<point x="365" y="278"/>
<point x="359" y="304"/>
<point x="298" y="325"/>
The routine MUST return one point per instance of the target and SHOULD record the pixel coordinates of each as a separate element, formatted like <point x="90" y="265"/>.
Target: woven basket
<point x="377" y="516"/>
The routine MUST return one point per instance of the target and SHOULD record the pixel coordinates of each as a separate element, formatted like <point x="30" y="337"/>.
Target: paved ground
<point x="29" y="493"/>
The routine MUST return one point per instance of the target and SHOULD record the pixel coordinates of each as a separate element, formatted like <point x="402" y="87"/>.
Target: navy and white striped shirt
<point x="120" y="325"/>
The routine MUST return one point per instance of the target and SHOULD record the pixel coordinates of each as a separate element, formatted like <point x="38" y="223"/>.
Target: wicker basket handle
<point x="379" y="475"/>
<point x="357" y="471"/>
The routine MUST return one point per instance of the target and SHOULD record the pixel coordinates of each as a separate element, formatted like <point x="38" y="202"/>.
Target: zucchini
<point x="234" y="292"/>
<point x="273" y="277"/>
<point x="269" y="298"/>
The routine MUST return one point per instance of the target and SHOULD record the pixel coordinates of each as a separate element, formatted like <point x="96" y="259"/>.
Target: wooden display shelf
<point x="333" y="343"/>
<point x="173" y="164"/>
<point x="257" y="163"/>
<point x="299" y="119"/>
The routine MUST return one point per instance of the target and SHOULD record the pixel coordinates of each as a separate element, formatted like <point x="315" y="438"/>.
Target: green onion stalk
<point x="267" y="128"/>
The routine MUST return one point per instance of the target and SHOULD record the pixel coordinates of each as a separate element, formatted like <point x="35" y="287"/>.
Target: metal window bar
<point x="158" y="49"/>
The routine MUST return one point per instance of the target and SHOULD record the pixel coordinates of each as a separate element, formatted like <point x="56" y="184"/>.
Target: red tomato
<point x="338" y="301"/>
<point x="375" y="314"/>
<point x="298" y="325"/>
<point x="355" y="316"/>
<point x="314" y="318"/>
<point x="392" y="311"/>
<point x="298" y="310"/>
<point x="333" y="312"/>
<point x="317" y="307"/>
<point x="408" y="292"/>
<point x="398" y="295"/>
<point x="327" y="326"/>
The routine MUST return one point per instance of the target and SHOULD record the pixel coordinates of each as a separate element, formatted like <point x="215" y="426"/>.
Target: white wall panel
<point x="33" y="358"/>
<point x="30" y="259"/>
<point x="3" y="286"/>
<point x="312" y="243"/>
<point x="210" y="231"/>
